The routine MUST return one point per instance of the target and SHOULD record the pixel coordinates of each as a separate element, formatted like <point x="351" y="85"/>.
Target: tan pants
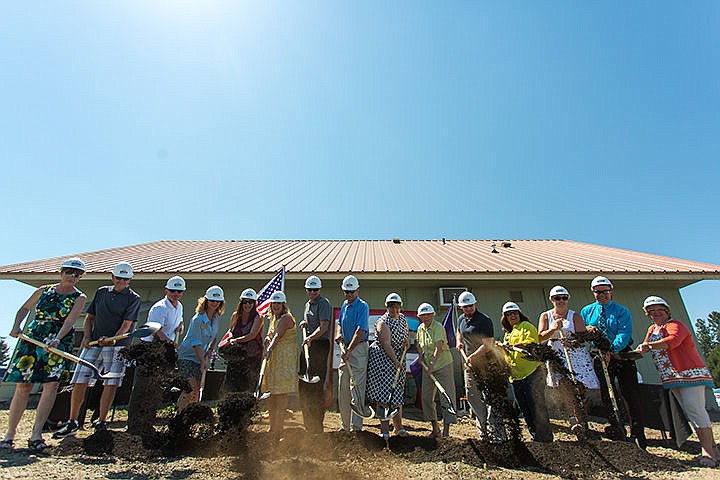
<point x="358" y="362"/>
<point x="446" y="378"/>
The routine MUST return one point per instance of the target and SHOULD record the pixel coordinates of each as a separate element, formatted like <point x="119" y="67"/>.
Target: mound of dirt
<point x="99" y="443"/>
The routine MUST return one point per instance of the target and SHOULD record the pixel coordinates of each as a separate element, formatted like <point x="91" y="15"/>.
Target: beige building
<point x="419" y="270"/>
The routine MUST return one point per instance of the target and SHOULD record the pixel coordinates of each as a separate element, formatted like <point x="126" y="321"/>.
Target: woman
<point x="554" y="326"/>
<point x="245" y="332"/>
<point x="681" y="370"/>
<point x="435" y="354"/>
<point x="383" y="362"/>
<point x="57" y="308"/>
<point x="281" y="370"/>
<point x="195" y="349"/>
<point x="527" y="376"/>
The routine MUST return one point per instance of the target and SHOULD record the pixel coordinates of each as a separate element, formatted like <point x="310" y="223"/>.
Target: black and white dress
<point x="381" y="370"/>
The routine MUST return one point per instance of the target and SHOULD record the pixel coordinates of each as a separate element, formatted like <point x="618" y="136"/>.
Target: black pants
<point x="312" y="398"/>
<point x="145" y="398"/>
<point x="625" y="372"/>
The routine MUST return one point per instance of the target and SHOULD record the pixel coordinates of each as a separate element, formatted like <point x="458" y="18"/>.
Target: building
<point x="419" y="270"/>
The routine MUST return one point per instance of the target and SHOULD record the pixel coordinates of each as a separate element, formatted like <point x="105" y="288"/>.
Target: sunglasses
<point x="602" y="292"/>
<point x="559" y="298"/>
<point x="655" y="310"/>
<point x="349" y="292"/>
<point x="72" y="273"/>
<point x="512" y="312"/>
<point x="247" y="302"/>
<point x="312" y="289"/>
<point x="175" y="291"/>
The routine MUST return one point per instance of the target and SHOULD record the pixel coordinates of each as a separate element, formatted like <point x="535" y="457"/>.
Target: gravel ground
<point x="334" y="455"/>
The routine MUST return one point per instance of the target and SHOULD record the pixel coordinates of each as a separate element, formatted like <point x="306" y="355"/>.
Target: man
<point x="353" y="334"/>
<point x="316" y="320"/>
<point x="615" y="322"/>
<point x="112" y="312"/>
<point x="475" y="339"/>
<point x="146" y="394"/>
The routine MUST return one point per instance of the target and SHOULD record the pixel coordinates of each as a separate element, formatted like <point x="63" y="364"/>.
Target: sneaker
<point x="68" y="428"/>
<point x="100" y="426"/>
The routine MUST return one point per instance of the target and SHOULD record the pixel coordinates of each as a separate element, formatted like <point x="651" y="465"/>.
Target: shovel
<point x="306" y="376"/>
<point x="450" y="407"/>
<point x="148" y="329"/>
<point x="368" y="412"/>
<point x="631" y="355"/>
<point x="69" y="356"/>
<point x="258" y="395"/>
<point x="202" y="385"/>
<point x="390" y="414"/>
<point x="611" y="390"/>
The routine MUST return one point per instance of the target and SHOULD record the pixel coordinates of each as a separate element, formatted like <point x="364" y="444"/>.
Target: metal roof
<point x="373" y="256"/>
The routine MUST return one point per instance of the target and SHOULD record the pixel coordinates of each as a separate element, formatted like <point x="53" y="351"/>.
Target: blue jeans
<point x="530" y="395"/>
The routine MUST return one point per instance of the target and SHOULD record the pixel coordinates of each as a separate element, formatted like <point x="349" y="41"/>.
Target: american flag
<point x="277" y="283"/>
<point x="263" y="301"/>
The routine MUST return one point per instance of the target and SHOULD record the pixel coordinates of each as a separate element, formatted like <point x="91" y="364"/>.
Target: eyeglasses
<point x="349" y="292"/>
<point x="655" y="310"/>
<point x="602" y="292"/>
<point x="247" y="302"/>
<point x="512" y="312"/>
<point x="175" y="291"/>
<point x="312" y="289"/>
<point x="393" y="305"/>
<point x="559" y="298"/>
<point x="72" y="273"/>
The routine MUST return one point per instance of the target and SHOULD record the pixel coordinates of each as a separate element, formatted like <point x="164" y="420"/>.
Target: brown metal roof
<point x="371" y="256"/>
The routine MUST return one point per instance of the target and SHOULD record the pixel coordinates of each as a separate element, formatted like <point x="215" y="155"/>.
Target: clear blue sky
<point x="127" y="122"/>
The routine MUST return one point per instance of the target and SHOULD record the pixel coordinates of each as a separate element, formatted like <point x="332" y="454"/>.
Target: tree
<point x="708" y="336"/>
<point x="4" y="351"/>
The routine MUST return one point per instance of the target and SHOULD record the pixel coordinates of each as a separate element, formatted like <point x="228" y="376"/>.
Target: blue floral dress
<point x="32" y="364"/>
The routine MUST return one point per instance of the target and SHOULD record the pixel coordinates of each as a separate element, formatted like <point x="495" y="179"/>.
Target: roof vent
<point x="494" y="250"/>
<point x="396" y="240"/>
<point x="506" y="244"/>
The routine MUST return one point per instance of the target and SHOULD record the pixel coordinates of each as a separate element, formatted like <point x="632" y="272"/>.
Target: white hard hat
<point x="350" y="283"/>
<point x="425" y="308"/>
<point x="653" y="300"/>
<point x="215" y="293"/>
<point x="123" y="270"/>
<point x="249" y="293"/>
<point x="175" y="283"/>
<point x="510" y="307"/>
<point x="313" y="282"/>
<point x="393" y="297"/>
<point x="278" y="297"/>
<point x="559" y="290"/>
<point x="466" y="298"/>
<point x="598" y="281"/>
<point x="75" y="263"/>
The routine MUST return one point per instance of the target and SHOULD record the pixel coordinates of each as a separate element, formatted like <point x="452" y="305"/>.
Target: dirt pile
<point x="99" y="443"/>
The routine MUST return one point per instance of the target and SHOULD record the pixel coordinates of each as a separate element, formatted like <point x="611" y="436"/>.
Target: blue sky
<point x="127" y="122"/>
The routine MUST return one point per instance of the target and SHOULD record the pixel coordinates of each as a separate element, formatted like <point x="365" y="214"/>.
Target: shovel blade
<point x="385" y="414"/>
<point x="110" y="375"/>
<point x="261" y="396"/>
<point x="307" y="379"/>
<point x="368" y="412"/>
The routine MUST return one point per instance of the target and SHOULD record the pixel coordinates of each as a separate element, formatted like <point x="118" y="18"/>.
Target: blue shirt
<point x="201" y="333"/>
<point x="618" y="323"/>
<point x="353" y="316"/>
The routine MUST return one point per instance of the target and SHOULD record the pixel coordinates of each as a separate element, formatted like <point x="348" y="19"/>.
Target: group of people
<point x="371" y="377"/>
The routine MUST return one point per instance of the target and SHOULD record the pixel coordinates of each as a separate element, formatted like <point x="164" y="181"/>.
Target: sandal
<point x="707" y="462"/>
<point x="7" y="444"/>
<point x="37" y="445"/>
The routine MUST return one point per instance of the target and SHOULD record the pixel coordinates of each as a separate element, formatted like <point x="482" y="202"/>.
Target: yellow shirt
<point x="524" y="333"/>
<point x="428" y="338"/>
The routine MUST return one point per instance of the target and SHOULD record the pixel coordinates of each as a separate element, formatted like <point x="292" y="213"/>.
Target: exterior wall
<point x="491" y="295"/>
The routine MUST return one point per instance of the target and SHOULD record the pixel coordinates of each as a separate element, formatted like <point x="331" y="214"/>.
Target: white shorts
<point x="106" y="359"/>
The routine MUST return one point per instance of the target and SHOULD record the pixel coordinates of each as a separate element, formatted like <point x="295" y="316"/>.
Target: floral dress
<point x="32" y="364"/>
<point x="381" y="370"/>
<point x="580" y="357"/>
<point x="281" y="370"/>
